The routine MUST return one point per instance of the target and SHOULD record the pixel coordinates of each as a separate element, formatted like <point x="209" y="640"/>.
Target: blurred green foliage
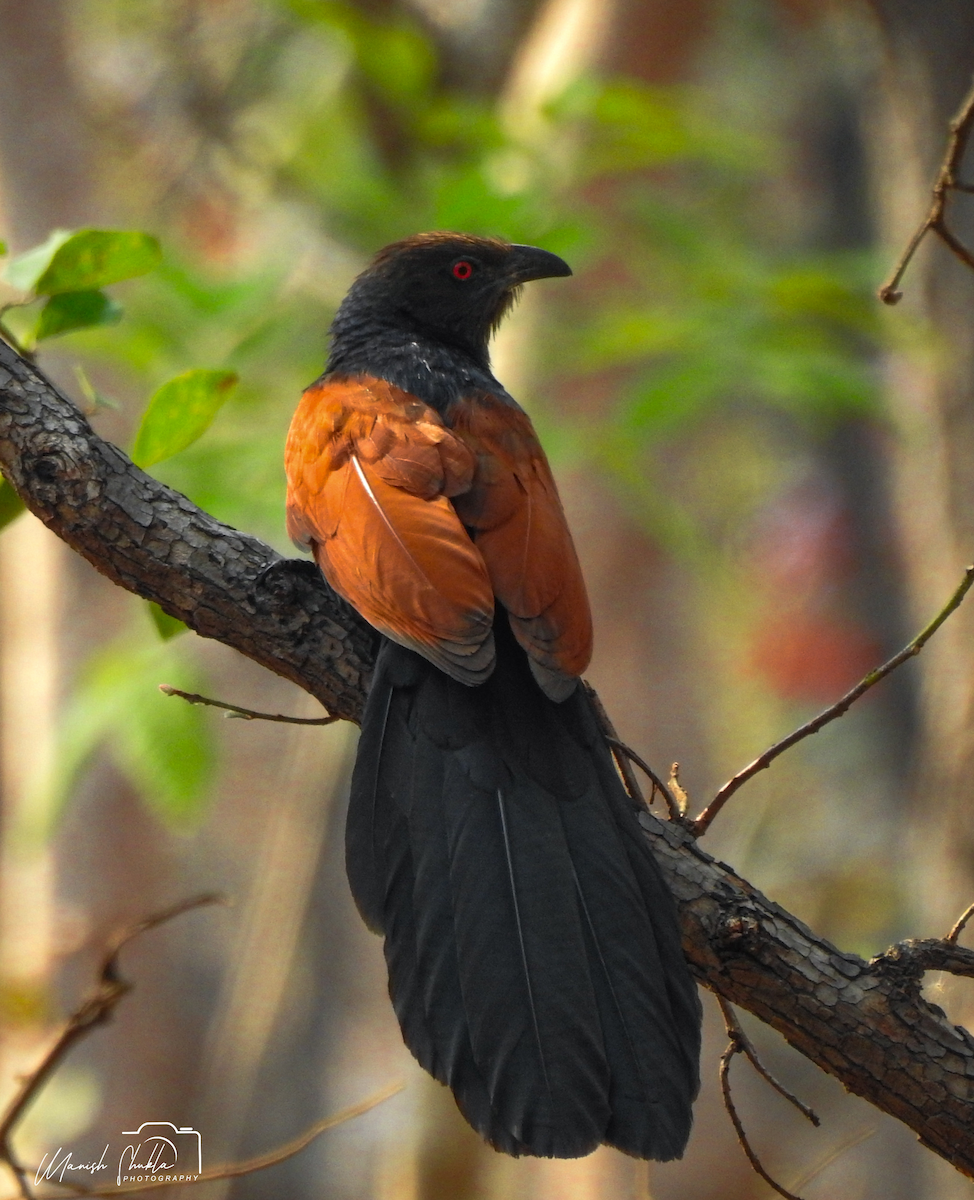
<point x="338" y="123"/>
<point x="163" y="747"/>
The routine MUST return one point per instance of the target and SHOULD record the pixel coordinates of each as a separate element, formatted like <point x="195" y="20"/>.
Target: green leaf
<point x="25" y="270"/>
<point x="167" y="626"/>
<point x="179" y="412"/>
<point x="11" y="505"/>
<point x="83" y="260"/>
<point x="76" y="310"/>
<point x="3" y="247"/>
<point x="93" y="258"/>
<point x="165" y="747"/>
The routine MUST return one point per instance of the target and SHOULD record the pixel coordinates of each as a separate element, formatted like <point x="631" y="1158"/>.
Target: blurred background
<point x="769" y="477"/>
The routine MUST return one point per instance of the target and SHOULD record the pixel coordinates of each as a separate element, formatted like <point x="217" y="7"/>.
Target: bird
<point x="533" y="947"/>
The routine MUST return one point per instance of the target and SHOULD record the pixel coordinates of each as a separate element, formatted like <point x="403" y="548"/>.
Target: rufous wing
<point x="370" y="471"/>
<point x="519" y="527"/>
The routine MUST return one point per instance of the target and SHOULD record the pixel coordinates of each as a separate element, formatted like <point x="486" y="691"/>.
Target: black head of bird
<point x="453" y="287"/>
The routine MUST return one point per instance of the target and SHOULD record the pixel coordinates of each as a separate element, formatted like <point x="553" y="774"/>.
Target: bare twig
<point x="745" y="1046"/>
<point x="935" y="220"/>
<point x="244" y="714"/>
<point x="95" y="1011"/>
<point x="752" y="1158"/>
<point x="629" y="776"/>
<point x="627" y="752"/>
<point x="908" y="961"/>
<point x="739" y="1043"/>
<point x="261" y="1161"/>
<point x="678" y="790"/>
<point x="705" y="819"/>
<point x="958" y="928"/>
<point x="621" y="761"/>
<point x="624" y="755"/>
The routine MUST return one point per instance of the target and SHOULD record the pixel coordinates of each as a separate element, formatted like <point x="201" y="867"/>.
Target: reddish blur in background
<point x="769" y="478"/>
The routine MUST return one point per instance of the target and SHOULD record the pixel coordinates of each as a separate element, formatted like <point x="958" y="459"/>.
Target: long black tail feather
<point x="533" y="949"/>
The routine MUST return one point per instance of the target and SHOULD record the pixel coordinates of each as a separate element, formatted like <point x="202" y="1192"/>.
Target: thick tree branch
<point x="153" y="541"/>
<point x="865" y="1023"/>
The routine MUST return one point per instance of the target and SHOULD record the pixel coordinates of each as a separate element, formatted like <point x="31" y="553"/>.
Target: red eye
<point x="462" y="269"/>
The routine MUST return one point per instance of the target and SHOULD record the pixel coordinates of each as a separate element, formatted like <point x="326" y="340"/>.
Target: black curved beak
<point x="528" y="262"/>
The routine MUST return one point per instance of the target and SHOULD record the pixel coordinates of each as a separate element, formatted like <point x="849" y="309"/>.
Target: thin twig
<point x="745" y="1046"/>
<point x="752" y="1158"/>
<point x="702" y="823"/>
<point x="629" y="754"/>
<point x="95" y="1011"/>
<point x="678" y="790"/>
<point x="739" y="1044"/>
<point x="958" y="928"/>
<point x="260" y="1161"/>
<point x="244" y="714"/>
<point x="629" y="777"/>
<point x="624" y="754"/>
<point x="609" y="731"/>
<point x="935" y="220"/>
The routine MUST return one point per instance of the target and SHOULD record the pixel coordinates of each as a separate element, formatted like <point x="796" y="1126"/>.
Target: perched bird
<point x="533" y="949"/>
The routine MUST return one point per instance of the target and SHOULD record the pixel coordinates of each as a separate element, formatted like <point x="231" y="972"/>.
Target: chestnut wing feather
<point x="370" y="470"/>
<point x="519" y="527"/>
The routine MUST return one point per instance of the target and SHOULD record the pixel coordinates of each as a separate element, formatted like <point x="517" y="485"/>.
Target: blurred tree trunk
<point x="45" y="170"/>
<point x="930" y="393"/>
<point x="65" y="885"/>
<point x="929" y="388"/>
<point x="38" y="190"/>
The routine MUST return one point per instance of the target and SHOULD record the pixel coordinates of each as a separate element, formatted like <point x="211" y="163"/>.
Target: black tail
<point x="533" y="950"/>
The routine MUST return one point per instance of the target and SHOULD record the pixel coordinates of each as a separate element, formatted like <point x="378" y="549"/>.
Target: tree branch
<point x="739" y="1043"/>
<point x="864" y="1023"/>
<point x="151" y="540"/>
<point x="95" y="1011"/>
<point x="936" y="219"/>
<point x="701" y="824"/>
<point x="243" y="714"/>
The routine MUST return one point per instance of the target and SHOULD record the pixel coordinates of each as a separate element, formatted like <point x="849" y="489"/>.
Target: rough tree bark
<point x="865" y="1023"/>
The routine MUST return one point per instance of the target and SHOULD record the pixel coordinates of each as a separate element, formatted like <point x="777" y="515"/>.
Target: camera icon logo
<point x="160" y="1149"/>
